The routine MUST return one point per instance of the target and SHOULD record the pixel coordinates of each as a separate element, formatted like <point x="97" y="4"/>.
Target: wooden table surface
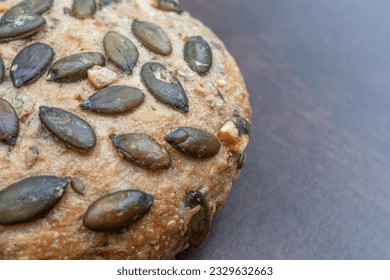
<point x="316" y="184"/>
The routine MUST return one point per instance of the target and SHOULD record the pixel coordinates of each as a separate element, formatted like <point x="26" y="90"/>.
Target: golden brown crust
<point x="213" y="99"/>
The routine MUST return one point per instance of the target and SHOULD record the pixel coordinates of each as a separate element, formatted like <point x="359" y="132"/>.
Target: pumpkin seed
<point x="241" y="160"/>
<point x="74" y="67"/>
<point x="198" y="55"/>
<point x="9" y="123"/>
<point x="170" y="6"/>
<point x="142" y="150"/>
<point x="30" y="198"/>
<point x="28" y="7"/>
<point x="121" y="51"/>
<point x="30" y="63"/>
<point x="243" y="126"/>
<point x="152" y="37"/>
<point x="117" y="210"/>
<point x="114" y="100"/>
<point x="164" y="85"/>
<point x="77" y="185"/>
<point x="82" y="9"/>
<point x="20" y="27"/>
<point x="200" y="224"/>
<point x="194" y="142"/>
<point x="68" y="128"/>
<point x="2" y="71"/>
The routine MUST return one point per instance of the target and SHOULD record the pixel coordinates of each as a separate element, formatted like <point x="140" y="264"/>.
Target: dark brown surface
<point x="317" y="181"/>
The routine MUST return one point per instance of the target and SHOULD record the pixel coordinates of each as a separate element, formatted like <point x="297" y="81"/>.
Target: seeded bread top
<point x="214" y="98"/>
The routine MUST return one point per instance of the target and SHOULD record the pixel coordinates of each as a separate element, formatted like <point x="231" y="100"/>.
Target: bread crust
<point x="214" y="98"/>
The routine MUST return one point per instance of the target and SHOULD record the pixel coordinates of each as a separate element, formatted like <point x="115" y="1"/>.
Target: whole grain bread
<point x="214" y="99"/>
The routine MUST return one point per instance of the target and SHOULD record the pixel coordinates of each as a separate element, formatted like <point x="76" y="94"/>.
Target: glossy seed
<point x="30" y="198"/>
<point x="117" y="210"/>
<point x="2" y="71"/>
<point x="114" y="100"/>
<point x="77" y="185"/>
<point x="68" y="128"/>
<point x="198" y="54"/>
<point x="74" y="67"/>
<point x="142" y="150"/>
<point x="30" y="64"/>
<point x="83" y="8"/>
<point x="9" y="123"/>
<point x="20" y="27"/>
<point x="121" y="51"/>
<point x="194" y="142"/>
<point x="200" y="224"/>
<point x="170" y="5"/>
<point x="28" y="7"/>
<point x="152" y="37"/>
<point x="164" y="85"/>
<point x="241" y="160"/>
<point x="243" y="126"/>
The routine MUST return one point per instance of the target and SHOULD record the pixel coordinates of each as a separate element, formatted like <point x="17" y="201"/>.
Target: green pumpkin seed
<point x="170" y="6"/>
<point x="200" y="224"/>
<point x="114" y="100"/>
<point x="243" y="125"/>
<point x="74" y="67"/>
<point x="30" y="198"/>
<point x="28" y="7"/>
<point x="142" y="150"/>
<point x="194" y="142"/>
<point x="241" y="160"/>
<point x="20" y="27"/>
<point x="152" y="37"/>
<point x="198" y="54"/>
<point x="9" y="123"/>
<point x="82" y="9"/>
<point x="164" y="85"/>
<point x="30" y="64"/>
<point x="117" y="210"/>
<point x="121" y="51"/>
<point x="68" y="128"/>
<point x="2" y="71"/>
